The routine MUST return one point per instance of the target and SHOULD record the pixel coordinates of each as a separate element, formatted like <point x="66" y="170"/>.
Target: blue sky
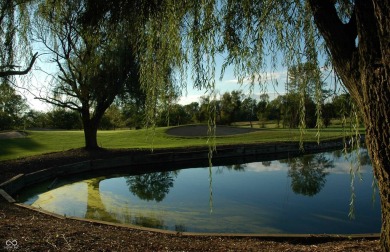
<point x="229" y="83"/>
<point x="38" y="82"/>
<point x="274" y="84"/>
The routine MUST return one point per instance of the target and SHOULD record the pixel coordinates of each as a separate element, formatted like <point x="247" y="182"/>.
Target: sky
<point x="274" y="79"/>
<point x="38" y="80"/>
<point x="229" y="83"/>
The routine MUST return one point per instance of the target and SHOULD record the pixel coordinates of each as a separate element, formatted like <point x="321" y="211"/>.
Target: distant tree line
<point x="125" y="113"/>
<point x="235" y="107"/>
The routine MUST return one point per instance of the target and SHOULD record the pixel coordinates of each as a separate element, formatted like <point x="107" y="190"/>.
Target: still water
<point x="307" y="194"/>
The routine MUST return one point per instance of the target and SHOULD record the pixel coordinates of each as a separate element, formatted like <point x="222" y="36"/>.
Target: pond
<point x="306" y="194"/>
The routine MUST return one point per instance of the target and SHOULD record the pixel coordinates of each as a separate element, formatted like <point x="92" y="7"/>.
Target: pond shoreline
<point x="21" y="223"/>
<point x="179" y="156"/>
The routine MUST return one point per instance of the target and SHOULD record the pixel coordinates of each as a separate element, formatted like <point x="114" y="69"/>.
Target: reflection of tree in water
<point x="360" y="156"/>
<point x="95" y="207"/>
<point x="180" y="228"/>
<point x="148" y="222"/>
<point x="308" y="174"/>
<point x="236" y="167"/>
<point x="364" y="157"/>
<point x="151" y="186"/>
<point x="266" y="163"/>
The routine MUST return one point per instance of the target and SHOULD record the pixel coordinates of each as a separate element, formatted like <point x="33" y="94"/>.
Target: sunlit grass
<point x="39" y="142"/>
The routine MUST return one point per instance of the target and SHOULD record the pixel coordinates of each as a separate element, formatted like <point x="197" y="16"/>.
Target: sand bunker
<point x="201" y="131"/>
<point x="12" y="134"/>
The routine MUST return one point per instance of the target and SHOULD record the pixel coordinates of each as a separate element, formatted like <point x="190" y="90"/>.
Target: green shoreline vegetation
<point x="41" y="142"/>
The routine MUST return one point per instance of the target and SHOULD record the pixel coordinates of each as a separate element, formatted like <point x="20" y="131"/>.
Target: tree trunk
<point x="374" y="69"/>
<point x="377" y="121"/>
<point x="360" y="52"/>
<point x="375" y="87"/>
<point x="90" y="135"/>
<point x="90" y="126"/>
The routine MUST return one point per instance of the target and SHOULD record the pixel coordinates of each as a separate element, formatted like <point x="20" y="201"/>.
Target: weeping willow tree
<point x="14" y="43"/>
<point x="352" y="35"/>
<point x="95" y="59"/>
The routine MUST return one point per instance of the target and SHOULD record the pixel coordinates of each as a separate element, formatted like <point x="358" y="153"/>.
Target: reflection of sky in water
<point x="257" y="199"/>
<point x="342" y="163"/>
<point x="67" y="200"/>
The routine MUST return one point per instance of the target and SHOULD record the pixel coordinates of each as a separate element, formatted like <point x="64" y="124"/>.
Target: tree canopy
<point x="95" y="61"/>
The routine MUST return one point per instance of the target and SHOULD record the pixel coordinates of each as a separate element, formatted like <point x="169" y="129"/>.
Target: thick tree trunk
<point x="374" y="69"/>
<point x="91" y="121"/>
<point x="90" y="126"/>
<point x="90" y="136"/>
<point x="377" y="121"/>
<point x="360" y="51"/>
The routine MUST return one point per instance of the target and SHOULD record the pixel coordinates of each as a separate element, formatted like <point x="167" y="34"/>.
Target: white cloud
<point x="267" y="77"/>
<point x="184" y="100"/>
<point x="260" y="167"/>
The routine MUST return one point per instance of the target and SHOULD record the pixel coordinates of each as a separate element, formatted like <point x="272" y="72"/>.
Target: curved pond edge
<point x="314" y="238"/>
<point x="263" y="151"/>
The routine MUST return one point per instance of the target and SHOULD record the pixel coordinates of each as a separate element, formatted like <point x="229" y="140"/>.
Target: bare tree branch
<point x="59" y="103"/>
<point x="7" y="73"/>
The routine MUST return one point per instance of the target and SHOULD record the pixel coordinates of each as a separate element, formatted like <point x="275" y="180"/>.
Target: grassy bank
<point x="40" y="142"/>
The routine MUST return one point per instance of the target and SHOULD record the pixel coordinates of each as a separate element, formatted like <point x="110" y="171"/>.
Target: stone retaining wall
<point x="12" y="186"/>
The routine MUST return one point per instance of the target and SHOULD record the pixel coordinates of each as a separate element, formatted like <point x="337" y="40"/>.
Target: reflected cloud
<point x="279" y="76"/>
<point x="266" y="166"/>
<point x="69" y="200"/>
<point x="345" y="168"/>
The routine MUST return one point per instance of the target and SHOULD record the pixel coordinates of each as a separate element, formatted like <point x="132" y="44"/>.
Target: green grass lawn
<point x="39" y="142"/>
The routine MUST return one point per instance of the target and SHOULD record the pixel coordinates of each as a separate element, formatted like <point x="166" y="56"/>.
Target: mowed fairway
<point x="39" y="142"/>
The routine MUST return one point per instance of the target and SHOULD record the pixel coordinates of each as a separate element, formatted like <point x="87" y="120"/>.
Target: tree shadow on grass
<point x="9" y="147"/>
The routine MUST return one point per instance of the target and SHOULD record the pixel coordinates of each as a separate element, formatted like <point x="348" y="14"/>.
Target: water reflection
<point x="236" y="167"/>
<point x="308" y="173"/>
<point x="266" y="163"/>
<point x="95" y="206"/>
<point x="145" y="221"/>
<point x="355" y="156"/>
<point x="104" y="207"/>
<point x="248" y="198"/>
<point x="151" y="186"/>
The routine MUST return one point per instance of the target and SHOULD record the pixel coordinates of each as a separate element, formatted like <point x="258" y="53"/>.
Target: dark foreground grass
<point x="40" y="142"/>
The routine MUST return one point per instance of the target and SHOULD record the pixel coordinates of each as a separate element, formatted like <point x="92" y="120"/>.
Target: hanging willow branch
<point x="252" y="36"/>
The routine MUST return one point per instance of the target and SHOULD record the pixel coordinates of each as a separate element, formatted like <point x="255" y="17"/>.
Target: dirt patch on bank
<point x="202" y="131"/>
